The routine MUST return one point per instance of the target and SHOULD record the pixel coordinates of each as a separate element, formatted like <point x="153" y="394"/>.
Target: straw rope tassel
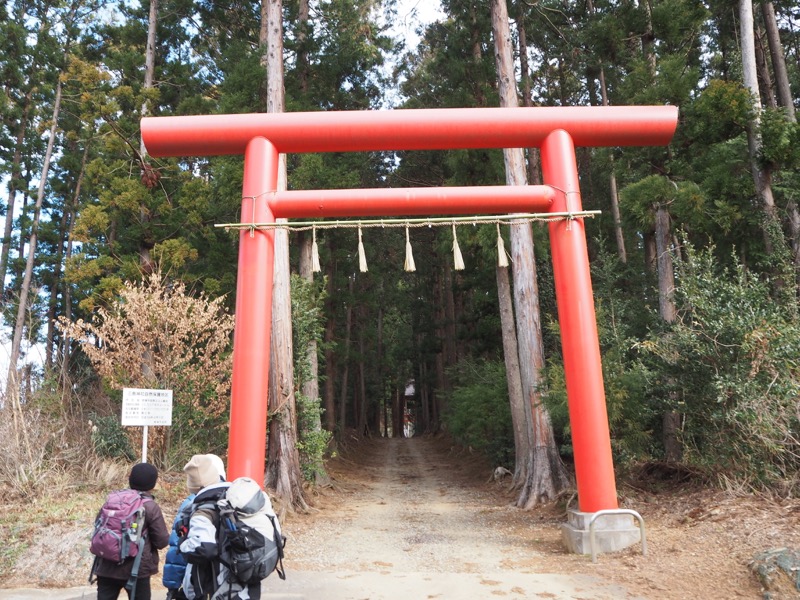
<point x="362" y="258"/>
<point x="409" y="264"/>
<point x="502" y="258"/>
<point x="457" y="258"/>
<point x="315" y="268"/>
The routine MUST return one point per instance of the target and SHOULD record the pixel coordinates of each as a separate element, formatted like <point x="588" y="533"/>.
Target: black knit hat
<point x="143" y="477"/>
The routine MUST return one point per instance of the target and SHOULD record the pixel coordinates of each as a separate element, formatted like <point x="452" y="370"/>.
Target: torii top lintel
<point x="409" y="129"/>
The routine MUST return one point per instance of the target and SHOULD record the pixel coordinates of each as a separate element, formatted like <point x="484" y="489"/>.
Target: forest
<point x="120" y="269"/>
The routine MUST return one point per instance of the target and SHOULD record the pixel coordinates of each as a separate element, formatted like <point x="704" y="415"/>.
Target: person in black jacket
<point x="112" y="577"/>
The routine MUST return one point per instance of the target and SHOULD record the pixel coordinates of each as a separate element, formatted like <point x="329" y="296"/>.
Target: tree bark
<point x="424" y="398"/>
<point x="361" y="420"/>
<point x="145" y="258"/>
<point x="519" y="420"/>
<point x="65" y="229"/>
<point x="761" y="176"/>
<point x="671" y="420"/>
<point x="762" y="68"/>
<point x="546" y="475"/>
<point x="16" y="175"/>
<point x="778" y="60"/>
<point x="303" y="68"/>
<point x="311" y="386"/>
<point x="330" y="357"/>
<point x="12" y="390"/>
<point x="612" y="178"/>
<point x="149" y="61"/>
<point x="283" y="464"/>
<point x="397" y="413"/>
<point x="348" y="325"/>
<point x="534" y="176"/>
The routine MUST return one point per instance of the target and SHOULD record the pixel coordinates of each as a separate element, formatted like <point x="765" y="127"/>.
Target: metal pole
<point x="251" y="339"/>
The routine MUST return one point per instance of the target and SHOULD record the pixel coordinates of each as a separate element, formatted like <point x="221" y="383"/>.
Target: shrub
<point x="478" y="414"/>
<point x="730" y="366"/>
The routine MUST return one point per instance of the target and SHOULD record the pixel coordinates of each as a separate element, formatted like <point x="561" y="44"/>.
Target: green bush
<point x="110" y="439"/>
<point x="730" y="366"/>
<point x="478" y="414"/>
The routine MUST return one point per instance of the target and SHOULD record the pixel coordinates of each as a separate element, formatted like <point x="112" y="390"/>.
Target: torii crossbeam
<point x="556" y="131"/>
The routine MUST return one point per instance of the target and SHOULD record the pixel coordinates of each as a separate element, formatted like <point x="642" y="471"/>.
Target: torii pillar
<point x="555" y="130"/>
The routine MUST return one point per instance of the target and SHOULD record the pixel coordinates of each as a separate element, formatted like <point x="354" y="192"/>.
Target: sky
<point x="412" y="13"/>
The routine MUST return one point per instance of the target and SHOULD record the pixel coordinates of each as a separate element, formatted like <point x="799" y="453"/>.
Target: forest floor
<point x="417" y="518"/>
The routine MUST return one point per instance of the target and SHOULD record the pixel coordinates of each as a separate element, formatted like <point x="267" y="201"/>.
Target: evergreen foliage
<point x="478" y="414"/>
<point x="731" y="362"/>
<point x="113" y="215"/>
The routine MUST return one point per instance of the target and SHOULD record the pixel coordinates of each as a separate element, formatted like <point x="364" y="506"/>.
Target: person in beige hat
<point x="199" y="545"/>
<point x="202" y="470"/>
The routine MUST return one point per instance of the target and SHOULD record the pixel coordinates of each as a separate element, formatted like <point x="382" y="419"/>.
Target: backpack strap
<point x="131" y="583"/>
<point x="92" y="576"/>
<point x="280" y="542"/>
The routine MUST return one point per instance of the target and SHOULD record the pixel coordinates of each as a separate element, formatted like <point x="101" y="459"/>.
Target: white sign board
<point x="146" y="407"/>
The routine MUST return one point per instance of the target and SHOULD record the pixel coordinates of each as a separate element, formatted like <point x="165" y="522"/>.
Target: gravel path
<point x="409" y="515"/>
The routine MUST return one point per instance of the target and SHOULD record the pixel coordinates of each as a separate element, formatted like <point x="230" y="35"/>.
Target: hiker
<point x="234" y="541"/>
<point x="199" y="543"/>
<point x="112" y="576"/>
<point x="175" y="562"/>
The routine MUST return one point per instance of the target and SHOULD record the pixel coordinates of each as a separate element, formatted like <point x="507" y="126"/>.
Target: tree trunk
<point x="534" y="175"/>
<point x="449" y="317"/>
<point x="330" y="357"/>
<point x="762" y="69"/>
<point x="786" y="101"/>
<point x="615" y="213"/>
<point x="16" y="176"/>
<point x="519" y="420"/>
<point x="149" y="61"/>
<point x="145" y="258"/>
<point x="424" y="398"/>
<point x="381" y="385"/>
<point x="362" y="385"/>
<point x="778" y="60"/>
<point x="283" y="464"/>
<point x="761" y="176"/>
<point x="12" y="390"/>
<point x="440" y="295"/>
<point x="311" y="386"/>
<point x="348" y="325"/>
<point x="671" y="420"/>
<point x="303" y="68"/>
<point x="546" y="475"/>
<point x="397" y="419"/>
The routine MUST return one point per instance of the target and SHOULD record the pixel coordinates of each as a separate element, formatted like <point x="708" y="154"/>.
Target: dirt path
<point x="416" y="513"/>
<point x="416" y="522"/>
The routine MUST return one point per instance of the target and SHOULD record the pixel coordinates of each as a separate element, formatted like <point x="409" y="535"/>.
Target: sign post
<point x="141" y="408"/>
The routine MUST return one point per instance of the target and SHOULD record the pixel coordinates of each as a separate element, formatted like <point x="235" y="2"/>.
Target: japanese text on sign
<point x="142" y="407"/>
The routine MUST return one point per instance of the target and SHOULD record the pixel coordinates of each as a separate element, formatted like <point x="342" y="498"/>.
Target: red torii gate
<point x="555" y="130"/>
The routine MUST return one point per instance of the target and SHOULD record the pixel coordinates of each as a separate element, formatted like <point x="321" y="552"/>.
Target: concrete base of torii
<point x="612" y="532"/>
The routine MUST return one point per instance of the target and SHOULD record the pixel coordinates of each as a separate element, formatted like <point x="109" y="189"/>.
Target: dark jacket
<point x="157" y="538"/>
<point x="175" y="562"/>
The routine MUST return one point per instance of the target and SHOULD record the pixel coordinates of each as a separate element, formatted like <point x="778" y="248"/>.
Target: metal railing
<point x="615" y="511"/>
